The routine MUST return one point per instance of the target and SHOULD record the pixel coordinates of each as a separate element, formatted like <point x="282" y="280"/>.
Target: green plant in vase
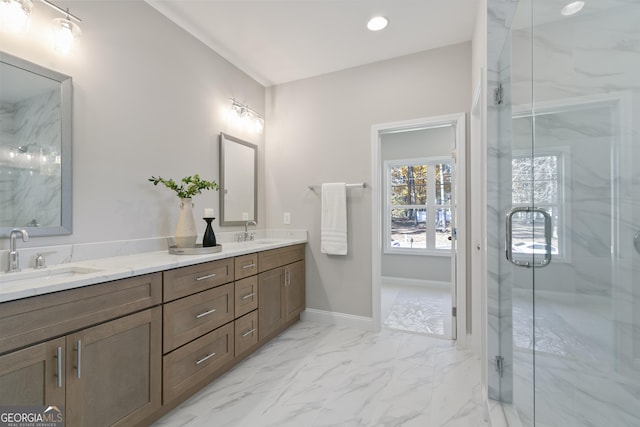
<point x="189" y="186"/>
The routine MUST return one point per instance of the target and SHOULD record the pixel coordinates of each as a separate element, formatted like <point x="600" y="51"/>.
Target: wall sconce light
<point x="15" y="14"/>
<point x="242" y="114"/>
<point x="65" y="32"/>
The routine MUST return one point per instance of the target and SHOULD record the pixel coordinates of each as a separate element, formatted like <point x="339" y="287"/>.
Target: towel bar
<point x="357" y="185"/>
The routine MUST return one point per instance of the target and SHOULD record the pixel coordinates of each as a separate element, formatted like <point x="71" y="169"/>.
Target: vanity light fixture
<point x="247" y="117"/>
<point x="15" y="14"/>
<point x="572" y="8"/>
<point x="65" y="32"/>
<point x="377" y="23"/>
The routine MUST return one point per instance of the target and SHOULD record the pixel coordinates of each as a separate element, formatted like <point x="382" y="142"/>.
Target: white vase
<point x="186" y="233"/>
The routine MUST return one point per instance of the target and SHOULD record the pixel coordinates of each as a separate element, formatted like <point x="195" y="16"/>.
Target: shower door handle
<point x="547" y="237"/>
<point x="636" y="241"/>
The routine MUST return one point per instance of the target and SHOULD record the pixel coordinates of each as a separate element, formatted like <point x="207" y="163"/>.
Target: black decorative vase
<point x="209" y="239"/>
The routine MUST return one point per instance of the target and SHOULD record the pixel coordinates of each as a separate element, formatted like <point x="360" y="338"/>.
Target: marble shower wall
<point x="30" y="187"/>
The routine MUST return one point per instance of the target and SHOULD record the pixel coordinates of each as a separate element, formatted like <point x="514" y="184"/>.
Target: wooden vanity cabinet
<point x="281" y="289"/>
<point x="124" y="353"/>
<point x="104" y="375"/>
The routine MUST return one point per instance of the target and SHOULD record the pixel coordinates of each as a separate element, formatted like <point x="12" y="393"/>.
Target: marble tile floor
<point x="417" y="309"/>
<point x="319" y="375"/>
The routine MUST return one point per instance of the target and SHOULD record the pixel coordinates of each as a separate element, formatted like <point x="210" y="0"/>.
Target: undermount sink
<point x="267" y="242"/>
<point x="48" y="273"/>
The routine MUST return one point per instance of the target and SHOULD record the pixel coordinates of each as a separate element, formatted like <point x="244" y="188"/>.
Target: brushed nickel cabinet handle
<point x="78" y="359"/>
<point x="208" y="276"/>
<point x="59" y="367"/>
<point x="206" y="313"/>
<point x="248" y="295"/>
<point x="207" y="357"/>
<point x="248" y="266"/>
<point x="246" y="334"/>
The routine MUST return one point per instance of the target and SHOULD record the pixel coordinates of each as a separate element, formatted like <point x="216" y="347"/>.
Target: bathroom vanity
<point x="124" y="352"/>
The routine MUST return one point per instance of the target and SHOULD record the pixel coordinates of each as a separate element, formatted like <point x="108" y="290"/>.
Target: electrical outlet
<point x="287" y="218"/>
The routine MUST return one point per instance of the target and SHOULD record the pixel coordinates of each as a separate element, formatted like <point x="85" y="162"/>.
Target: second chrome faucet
<point x="14" y="259"/>
<point x="246" y="235"/>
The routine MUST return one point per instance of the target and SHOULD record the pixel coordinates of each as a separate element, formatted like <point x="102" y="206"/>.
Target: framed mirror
<point x="238" y="181"/>
<point x="35" y="148"/>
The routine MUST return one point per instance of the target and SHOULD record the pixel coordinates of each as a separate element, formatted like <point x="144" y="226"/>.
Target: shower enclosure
<point x="563" y="221"/>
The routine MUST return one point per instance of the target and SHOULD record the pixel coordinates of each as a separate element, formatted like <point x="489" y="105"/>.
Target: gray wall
<point x="319" y="130"/>
<point x="407" y="145"/>
<point x="149" y="99"/>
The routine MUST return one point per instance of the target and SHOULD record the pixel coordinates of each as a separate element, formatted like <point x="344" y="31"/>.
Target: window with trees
<point x="418" y="218"/>
<point x="539" y="181"/>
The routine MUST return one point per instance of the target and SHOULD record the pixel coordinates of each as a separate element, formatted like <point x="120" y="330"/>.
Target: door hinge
<point x="500" y="365"/>
<point x="454" y="311"/>
<point x="498" y="95"/>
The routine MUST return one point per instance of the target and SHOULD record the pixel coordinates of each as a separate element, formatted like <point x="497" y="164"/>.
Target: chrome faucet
<point x="14" y="260"/>
<point x="246" y="229"/>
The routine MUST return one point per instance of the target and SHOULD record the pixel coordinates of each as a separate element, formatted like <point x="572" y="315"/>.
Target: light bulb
<point x="65" y="35"/>
<point x="377" y="23"/>
<point x="259" y="125"/>
<point x="15" y="14"/>
<point x="572" y="8"/>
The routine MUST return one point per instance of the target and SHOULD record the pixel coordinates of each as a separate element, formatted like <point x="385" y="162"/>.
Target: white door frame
<point x="459" y="121"/>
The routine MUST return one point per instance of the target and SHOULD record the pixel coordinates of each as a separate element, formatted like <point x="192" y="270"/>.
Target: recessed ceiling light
<point x="377" y="23"/>
<point x="572" y="8"/>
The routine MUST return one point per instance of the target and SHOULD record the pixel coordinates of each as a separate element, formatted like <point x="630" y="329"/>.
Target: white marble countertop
<point x="30" y="282"/>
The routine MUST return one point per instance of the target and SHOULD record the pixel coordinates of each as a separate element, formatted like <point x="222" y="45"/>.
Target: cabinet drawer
<point x="246" y="265"/>
<point x="246" y="329"/>
<point x="268" y="260"/>
<point x="188" y="318"/>
<point x="246" y="297"/>
<point x="197" y="361"/>
<point x="30" y="320"/>
<point x="184" y="281"/>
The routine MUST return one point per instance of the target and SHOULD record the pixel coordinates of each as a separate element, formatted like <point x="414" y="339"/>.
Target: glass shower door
<point x="574" y="156"/>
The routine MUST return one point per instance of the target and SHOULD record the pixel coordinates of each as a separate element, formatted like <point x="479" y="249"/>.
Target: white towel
<point x="333" y="230"/>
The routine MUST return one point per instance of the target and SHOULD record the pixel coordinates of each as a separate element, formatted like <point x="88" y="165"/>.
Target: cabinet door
<point x="33" y="376"/>
<point x="114" y="371"/>
<point x="271" y="312"/>
<point x="294" y="290"/>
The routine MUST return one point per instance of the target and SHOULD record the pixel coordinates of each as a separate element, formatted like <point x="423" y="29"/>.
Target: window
<point x="418" y="217"/>
<point x="539" y="181"/>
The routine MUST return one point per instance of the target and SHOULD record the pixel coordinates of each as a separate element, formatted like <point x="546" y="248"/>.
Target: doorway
<point x="418" y="277"/>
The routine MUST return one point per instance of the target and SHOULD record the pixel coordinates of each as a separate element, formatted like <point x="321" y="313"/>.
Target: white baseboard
<point x="401" y="281"/>
<point x="338" y="319"/>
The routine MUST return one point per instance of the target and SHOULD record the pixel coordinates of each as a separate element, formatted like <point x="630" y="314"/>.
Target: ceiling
<point x="277" y="41"/>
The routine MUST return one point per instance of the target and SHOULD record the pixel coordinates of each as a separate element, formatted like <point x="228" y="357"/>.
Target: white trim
<point x="421" y="283"/>
<point x="376" y="218"/>
<point x="338" y="319"/>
